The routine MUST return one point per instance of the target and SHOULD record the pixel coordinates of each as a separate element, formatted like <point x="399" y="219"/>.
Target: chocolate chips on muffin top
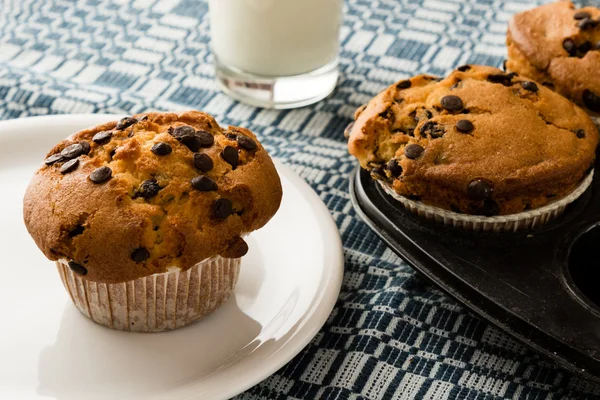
<point x="230" y="155"/>
<point x="102" y="137"/>
<point x="69" y="166"/>
<point x="125" y="123"/>
<point x="54" y="158"/>
<point x="203" y="162"/>
<point x="204" y="183"/>
<point x="452" y="103"/>
<point x="222" y="208"/>
<point x="100" y="175"/>
<point x="162" y="149"/>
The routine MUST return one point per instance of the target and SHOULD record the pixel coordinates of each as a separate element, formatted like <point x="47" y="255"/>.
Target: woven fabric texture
<point x="391" y="334"/>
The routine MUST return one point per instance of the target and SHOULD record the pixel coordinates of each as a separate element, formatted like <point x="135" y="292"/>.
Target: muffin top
<point x="562" y="44"/>
<point x="478" y="142"/>
<point x="149" y="193"/>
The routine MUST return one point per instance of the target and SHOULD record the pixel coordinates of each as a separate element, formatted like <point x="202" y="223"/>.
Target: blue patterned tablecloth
<point x="391" y="334"/>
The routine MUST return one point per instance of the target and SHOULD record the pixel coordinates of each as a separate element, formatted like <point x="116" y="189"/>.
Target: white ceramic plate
<point x="288" y="286"/>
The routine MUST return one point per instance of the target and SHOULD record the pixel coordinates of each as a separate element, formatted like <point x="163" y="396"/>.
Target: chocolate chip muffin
<point x="479" y="142"/>
<point x="559" y="46"/>
<point x="159" y="195"/>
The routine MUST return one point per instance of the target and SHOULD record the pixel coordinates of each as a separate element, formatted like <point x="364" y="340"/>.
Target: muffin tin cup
<point x="156" y="303"/>
<point x="503" y="223"/>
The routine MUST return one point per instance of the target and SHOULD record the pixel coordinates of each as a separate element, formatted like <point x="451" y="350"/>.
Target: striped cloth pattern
<point x="391" y="335"/>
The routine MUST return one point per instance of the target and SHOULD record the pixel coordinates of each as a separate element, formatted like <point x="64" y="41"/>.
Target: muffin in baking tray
<point x="479" y="143"/>
<point x="145" y="217"/>
<point x="559" y="46"/>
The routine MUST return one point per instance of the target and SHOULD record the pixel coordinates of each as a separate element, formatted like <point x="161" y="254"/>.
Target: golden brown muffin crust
<point x="559" y="45"/>
<point x="147" y="217"/>
<point x="528" y="144"/>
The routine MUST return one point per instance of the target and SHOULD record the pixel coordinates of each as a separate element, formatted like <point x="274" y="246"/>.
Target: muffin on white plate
<point x="145" y="217"/>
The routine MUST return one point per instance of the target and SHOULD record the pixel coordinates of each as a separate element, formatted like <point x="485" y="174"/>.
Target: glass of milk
<point x="276" y="53"/>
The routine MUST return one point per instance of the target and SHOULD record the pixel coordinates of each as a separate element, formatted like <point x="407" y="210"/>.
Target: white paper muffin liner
<point x="156" y="303"/>
<point x="502" y="223"/>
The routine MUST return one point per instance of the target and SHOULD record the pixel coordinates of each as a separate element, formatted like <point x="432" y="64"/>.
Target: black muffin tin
<point x="542" y="285"/>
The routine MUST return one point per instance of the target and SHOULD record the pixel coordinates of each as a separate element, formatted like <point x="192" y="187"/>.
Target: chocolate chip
<point x="102" y="137"/>
<point x="584" y="48"/>
<point x="464" y="68"/>
<point x="77" y="268"/>
<point x="230" y="155"/>
<point x="162" y="149"/>
<point x="69" y="166"/>
<point x="206" y="139"/>
<point x="182" y="131"/>
<point x="246" y="143"/>
<point x="530" y="86"/>
<point x="580" y="133"/>
<point x="570" y="47"/>
<point x="413" y="151"/>
<point x="591" y="100"/>
<point x="582" y="15"/>
<point x="203" y="162"/>
<point x="511" y="75"/>
<point x="72" y="151"/>
<point x="387" y="114"/>
<point x="464" y="126"/>
<point x="504" y="79"/>
<point x="404" y="84"/>
<point x="194" y="143"/>
<point x="125" y="123"/>
<point x="504" y="65"/>
<point x="237" y="248"/>
<point x="490" y="208"/>
<point x="54" y="158"/>
<point x="378" y="173"/>
<point x="148" y="189"/>
<point x="348" y="130"/>
<point x="222" y="209"/>
<point x="433" y="129"/>
<point x="394" y="167"/>
<point x="78" y="230"/>
<point x="452" y="103"/>
<point x="587" y="23"/>
<point x="140" y="255"/>
<point x="204" y="184"/>
<point x="479" y="189"/>
<point x="112" y="153"/>
<point x="142" y="118"/>
<point x="86" y="147"/>
<point x="101" y="174"/>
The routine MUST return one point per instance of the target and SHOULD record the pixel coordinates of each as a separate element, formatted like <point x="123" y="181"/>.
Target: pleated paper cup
<point x="502" y="223"/>
<point x="156" y="303"/>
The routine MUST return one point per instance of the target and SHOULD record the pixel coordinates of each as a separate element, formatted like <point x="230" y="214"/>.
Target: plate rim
<point x="313" y="318"/>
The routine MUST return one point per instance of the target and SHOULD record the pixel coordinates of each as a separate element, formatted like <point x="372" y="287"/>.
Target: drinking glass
<point x="276" y="53"/>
